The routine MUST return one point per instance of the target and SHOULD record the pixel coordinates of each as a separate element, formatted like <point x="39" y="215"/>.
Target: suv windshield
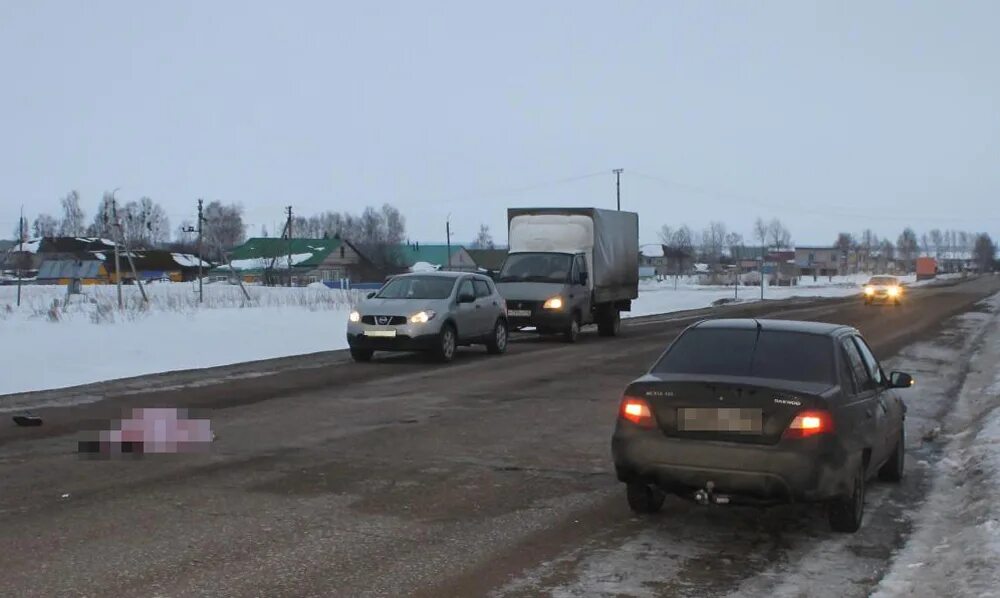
<point x="418" y="287"/>
<point x="778" y="355"/>
<point x="883" y="280"/>
<point x="536" y="267"/>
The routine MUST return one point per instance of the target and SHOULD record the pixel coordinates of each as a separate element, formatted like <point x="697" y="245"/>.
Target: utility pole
<point x="199" y="230"/>
<point x="447" y="229"/>
<point x="117" y="228"/>
<point x="131" y="263"/>
<point x="20" y="254"/>
<point x="289" y="225"/>
<point x="618" y="186"/>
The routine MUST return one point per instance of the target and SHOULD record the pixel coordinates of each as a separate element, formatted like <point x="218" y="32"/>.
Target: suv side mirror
<point x="900" y="380"/>
<point x="466" y="298"/>
<point x="584" y="278"/>
<point x="372" y="294"/>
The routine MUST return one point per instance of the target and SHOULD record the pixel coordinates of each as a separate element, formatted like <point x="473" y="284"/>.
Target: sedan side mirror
<point x="372" y="294"/>
<point x="901" y="380"/>
<point x="466" y="298"/>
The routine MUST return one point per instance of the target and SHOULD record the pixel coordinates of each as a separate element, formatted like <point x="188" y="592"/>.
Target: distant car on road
<point x="762" y="412"/>
<point x="429" y="311"/>
<point x="883" y="289"/>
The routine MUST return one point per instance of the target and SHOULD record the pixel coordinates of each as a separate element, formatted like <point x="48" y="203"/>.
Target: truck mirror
<point x="584" y="278"/>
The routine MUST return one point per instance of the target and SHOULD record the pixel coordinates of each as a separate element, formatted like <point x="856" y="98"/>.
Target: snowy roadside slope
<point x="955" y="548"/>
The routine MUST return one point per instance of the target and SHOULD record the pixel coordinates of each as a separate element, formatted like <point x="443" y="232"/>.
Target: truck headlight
<point x="355" y="317"/>
<point x="422" y="317"/>
<point x="554" y="303"/>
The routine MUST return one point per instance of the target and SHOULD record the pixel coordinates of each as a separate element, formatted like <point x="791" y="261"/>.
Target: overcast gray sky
<point x="831" y="116"/>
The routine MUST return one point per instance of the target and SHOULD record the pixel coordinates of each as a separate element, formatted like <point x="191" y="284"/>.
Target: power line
<point x="730" y="198"/>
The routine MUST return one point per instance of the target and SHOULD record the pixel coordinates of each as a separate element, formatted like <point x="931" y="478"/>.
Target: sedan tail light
<point x="637" y="411"/>
<point x="809" y="423"/>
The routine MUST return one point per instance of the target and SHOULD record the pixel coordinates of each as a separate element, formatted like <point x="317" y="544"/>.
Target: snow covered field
<point x="89" y="340"/>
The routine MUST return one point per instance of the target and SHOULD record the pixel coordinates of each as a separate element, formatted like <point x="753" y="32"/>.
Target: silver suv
<point x="433" y="311"/>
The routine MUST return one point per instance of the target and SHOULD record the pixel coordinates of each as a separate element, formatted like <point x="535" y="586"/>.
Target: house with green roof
<point x="299" y="261"/>
<point x="412" y="254"/>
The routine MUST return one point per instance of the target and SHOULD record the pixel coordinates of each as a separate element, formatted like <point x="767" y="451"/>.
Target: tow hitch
<point x="707" y="496"/>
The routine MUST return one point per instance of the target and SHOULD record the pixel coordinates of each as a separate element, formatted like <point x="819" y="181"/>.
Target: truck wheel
<point x="497" y="344"/>
<point x="572" y="333"/>
<point x="643" y="498"/>
<point x="846" y="514"/>
<point x="610" y="323"/>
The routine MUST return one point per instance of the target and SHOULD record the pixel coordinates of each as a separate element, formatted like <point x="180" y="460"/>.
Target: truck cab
<point x="550" y="291"/>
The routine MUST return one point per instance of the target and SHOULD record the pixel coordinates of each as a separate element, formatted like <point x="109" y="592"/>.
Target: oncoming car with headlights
<point x="434" y="312"/>
<point x="883" y="289"/>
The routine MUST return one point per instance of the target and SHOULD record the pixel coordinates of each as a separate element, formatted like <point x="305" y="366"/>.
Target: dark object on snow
<point x="28" y="420"/>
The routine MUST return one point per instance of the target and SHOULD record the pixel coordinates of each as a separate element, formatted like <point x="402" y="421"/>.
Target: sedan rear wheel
<point x="643" y="498"/>
<point x="846" y="514"/>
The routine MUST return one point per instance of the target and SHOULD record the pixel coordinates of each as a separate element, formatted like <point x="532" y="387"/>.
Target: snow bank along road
<point x="486" y="476"/>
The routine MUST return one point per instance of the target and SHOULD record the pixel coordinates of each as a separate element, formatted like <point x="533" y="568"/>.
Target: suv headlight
<point x="554" y="303"/>
<point x="355" y="317"/>
<point x="894" y="291"/>
<point x="422" y="317"/>
<point x="869" y="290"/>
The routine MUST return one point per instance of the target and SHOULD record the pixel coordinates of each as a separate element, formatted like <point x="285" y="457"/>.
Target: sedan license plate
<point x="745" y="421"/>
<point x="381" y="333"/>
<point x="519" y="313"/>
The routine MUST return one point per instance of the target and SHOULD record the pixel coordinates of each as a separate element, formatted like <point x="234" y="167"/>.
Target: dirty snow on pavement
<point x="789" y="551"/>
<point x="955" y="548"/>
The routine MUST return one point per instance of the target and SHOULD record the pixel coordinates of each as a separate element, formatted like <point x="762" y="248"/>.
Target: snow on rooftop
<point x="652" y="250"/>
<point x="279" y="263"/>
<point x="186" y="260"/>
<point x="27" y="247"/>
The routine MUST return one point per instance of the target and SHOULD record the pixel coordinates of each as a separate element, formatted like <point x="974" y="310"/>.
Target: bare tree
<point x="907" y="248"/>
<point x="713" y="240"/>
<point x="778" y="234"/>
<point x="985" y="252"/>
<point x="666" y="234"/>
<point x="72" y="224"/>
<point x="45" y="226"/>
<point x="484" y="240"/>
<point x="146" y="222"/>
<point x="869" y="243"/>
<point x="844" y="245"/>
<point x="104" y="220"/>
<point x="223" y="228"/>
<point x="937" y="240"/>
<point x="734" y="242"/>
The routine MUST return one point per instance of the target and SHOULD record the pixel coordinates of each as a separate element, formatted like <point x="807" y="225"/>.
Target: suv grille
<point x="384" y="320"/>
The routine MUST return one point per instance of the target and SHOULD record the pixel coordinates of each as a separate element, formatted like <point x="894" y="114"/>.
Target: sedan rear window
<point x="781" y="355"/>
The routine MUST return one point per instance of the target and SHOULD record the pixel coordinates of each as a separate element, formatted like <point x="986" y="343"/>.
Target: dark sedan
<point x="762" y="412"/>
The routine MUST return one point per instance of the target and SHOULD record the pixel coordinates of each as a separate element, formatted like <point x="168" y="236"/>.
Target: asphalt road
<point x="399" y="477"/>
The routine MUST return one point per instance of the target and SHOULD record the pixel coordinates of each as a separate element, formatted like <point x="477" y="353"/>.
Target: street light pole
<point x="618" y="186"/>
<point x="117" y="228"/>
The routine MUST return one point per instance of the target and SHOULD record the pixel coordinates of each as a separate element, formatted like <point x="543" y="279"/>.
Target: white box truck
<point x="568" y="268"/>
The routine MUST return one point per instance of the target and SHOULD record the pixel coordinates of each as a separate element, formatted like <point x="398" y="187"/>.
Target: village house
<point x="298" y="262"/>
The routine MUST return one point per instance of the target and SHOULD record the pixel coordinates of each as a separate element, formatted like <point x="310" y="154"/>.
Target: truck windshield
<point x="418" y="287"/>
<point x="536" y="267"/>
<point x="778" y="355"/>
